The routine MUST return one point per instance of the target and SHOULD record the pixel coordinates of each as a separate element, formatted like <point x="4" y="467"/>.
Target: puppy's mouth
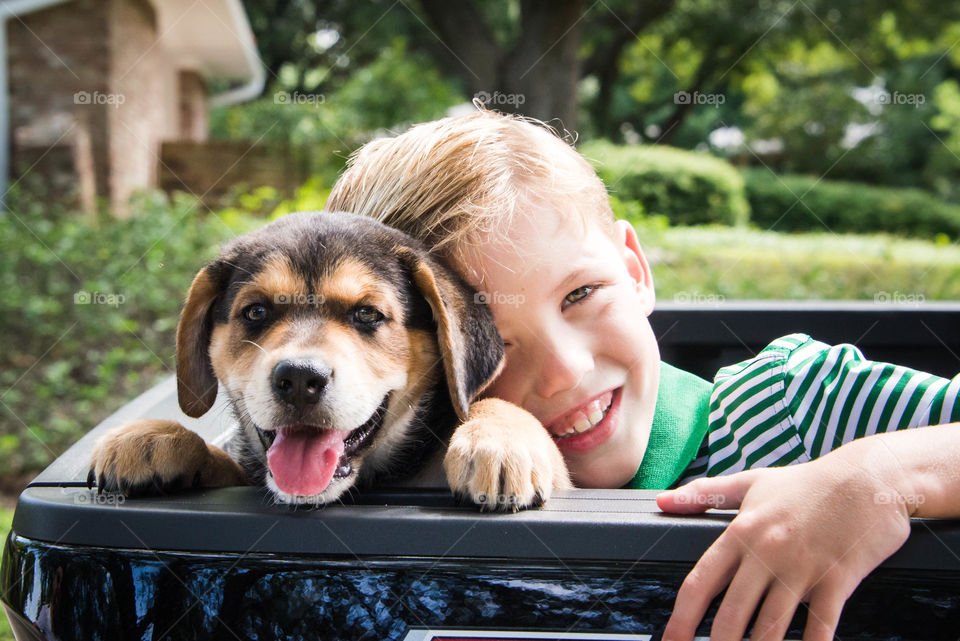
<point x="304" y="459"/>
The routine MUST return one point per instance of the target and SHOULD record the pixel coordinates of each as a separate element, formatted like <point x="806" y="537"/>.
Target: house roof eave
<point x="213" y="38"/>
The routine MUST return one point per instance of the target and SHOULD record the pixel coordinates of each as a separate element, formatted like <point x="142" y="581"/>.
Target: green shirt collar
<point x="679" y="425"/>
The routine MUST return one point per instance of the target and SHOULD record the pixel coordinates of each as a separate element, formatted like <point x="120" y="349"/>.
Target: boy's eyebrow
<point x="572" y="277"/>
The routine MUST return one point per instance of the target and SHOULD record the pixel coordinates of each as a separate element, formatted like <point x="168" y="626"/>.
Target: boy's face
<point x="572" y="306"/>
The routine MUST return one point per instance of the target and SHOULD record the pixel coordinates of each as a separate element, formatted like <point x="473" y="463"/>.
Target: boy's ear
<point x="636" y="263"/>
<point x="470" y="345"/>
<point x="196" y="382"/>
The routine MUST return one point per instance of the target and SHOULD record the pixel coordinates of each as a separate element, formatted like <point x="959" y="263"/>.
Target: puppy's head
<point x="326" y="331"/>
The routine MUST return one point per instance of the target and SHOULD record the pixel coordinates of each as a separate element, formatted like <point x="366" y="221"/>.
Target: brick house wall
<point x="194" y="123"/>
<point x="90" y="76"/>
<point x="48" y="74"/>
<point x="142" y="74"/>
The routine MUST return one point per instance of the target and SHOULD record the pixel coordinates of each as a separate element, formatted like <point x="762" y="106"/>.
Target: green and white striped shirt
<point x="796" y="400"/>
<point x="799" y="399"/>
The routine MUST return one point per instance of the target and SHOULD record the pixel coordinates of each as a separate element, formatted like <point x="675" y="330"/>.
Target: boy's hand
<point x="805" y="533"/>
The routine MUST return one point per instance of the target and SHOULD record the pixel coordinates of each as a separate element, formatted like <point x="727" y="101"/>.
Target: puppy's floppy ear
<point x="470" y="345"/>
<point x="196" y="382"/>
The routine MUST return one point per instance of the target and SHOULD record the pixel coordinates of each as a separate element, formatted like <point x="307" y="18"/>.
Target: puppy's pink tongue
<point x="303" y="461"/>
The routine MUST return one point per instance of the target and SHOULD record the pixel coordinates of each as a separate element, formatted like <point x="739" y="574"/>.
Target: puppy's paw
<point x="503" y="459"/>
<point x="149" y="457"/>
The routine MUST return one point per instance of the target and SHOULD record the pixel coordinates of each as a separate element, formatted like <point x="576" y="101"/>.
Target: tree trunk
<point x="604" y="63"/>
<point x="543" y="70"/>
<point x="537" y="78"/>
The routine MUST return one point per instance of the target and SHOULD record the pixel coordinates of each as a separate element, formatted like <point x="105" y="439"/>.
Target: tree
<point x="636" y="68"/>
<point x="523" y="57"/>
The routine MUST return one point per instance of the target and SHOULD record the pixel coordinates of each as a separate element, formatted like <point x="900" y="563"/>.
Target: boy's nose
<point x="562" y="368"/>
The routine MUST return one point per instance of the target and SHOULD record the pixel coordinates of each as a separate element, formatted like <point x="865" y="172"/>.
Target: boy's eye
<point x="579" y="294"/>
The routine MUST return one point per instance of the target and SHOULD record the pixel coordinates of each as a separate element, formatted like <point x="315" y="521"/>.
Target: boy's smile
<point x="578" y="431"/>
<point x="571" y="304"/>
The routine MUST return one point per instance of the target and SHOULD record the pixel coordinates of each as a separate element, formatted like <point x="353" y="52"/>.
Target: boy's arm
<point x="812" y="531"/>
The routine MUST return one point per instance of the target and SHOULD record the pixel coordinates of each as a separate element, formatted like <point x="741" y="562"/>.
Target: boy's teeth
<point x="587" y="418"/>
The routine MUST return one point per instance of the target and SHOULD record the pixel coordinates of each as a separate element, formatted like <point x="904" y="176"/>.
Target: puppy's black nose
<point x="299" y="383"/>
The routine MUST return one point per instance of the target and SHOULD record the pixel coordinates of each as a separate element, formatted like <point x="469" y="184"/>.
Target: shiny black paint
<point x="94" y="593"/>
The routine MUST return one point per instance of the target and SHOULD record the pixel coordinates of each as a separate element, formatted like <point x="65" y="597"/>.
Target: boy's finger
<point x="722" y="492"/>
<point x="824" y="615"/>
<point x="707" y="579"/>
<point x="775" y="614"/>
<point x="740" y="602"/>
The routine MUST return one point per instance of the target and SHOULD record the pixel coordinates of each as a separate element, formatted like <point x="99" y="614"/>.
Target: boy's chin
<point x="609" y="476"/>
<point x="615" y="462"/>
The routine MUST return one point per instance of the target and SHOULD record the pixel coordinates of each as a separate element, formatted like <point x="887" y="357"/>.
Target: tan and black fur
<point x="324" y="321"/>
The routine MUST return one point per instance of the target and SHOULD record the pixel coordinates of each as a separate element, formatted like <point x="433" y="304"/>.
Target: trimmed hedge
<point x="845" y="206"/>
<point x="688" y="188"/>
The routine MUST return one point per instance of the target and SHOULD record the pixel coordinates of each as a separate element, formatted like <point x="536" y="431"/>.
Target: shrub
<point x="91" y="309"/>
<point x="845" y="206"/>
<point x="688" y="188"/>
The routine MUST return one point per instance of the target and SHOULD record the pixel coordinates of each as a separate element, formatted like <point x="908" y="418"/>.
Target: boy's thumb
<point x="721" y="492"/>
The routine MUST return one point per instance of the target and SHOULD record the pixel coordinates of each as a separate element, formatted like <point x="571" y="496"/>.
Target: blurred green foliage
<point x="91" y="309"/>
<point x="806" y="203"/>
<point x="268" y="202"/>
<point x="859" y="91"/>
<point x="688" y="188"/>
<point x="862" y="91"/>
<point x="397" y="87"/>
<point x="6" y="521"/>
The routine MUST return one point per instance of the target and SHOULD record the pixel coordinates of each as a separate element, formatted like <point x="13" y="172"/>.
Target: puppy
<point x="348" y="356"/>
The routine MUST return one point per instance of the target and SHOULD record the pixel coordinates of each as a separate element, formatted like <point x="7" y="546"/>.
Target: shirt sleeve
<point x="835" y="395"/>
<point x="800" y="398"/>
<point x="750" y="424"/>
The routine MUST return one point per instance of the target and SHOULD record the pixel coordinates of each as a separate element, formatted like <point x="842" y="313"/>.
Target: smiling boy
<point x="527" y="222"/>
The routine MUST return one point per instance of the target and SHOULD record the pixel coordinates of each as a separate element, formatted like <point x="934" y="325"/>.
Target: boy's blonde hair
<point x="451" y="181"/>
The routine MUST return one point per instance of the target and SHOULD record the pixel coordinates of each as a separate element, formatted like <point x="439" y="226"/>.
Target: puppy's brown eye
<point x="367" y="315"/>
<point x="255" y="313"/>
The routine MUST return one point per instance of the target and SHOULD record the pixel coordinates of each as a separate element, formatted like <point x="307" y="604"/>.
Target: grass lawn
<point x="722" y="263"/>
<point x="6" y="518"/>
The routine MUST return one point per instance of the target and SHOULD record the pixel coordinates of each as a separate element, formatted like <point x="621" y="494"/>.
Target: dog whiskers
<point x="353" y="492"/>
<point x="255" y="345"/>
